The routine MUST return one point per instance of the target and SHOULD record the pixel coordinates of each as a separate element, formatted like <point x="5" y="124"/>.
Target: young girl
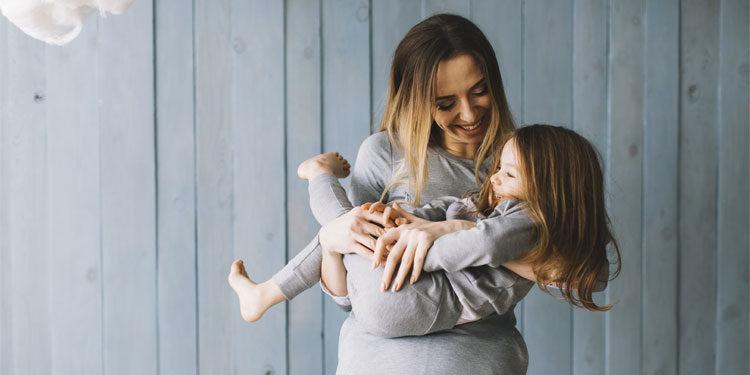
<point x="547" y="192"/>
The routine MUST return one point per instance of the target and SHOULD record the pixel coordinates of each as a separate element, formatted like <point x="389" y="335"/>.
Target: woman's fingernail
<point x="397" y="286"/>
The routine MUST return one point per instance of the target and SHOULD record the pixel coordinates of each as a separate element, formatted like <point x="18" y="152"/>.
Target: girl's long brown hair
<point x="408" y="116"/>
<point x="564" y="185"/>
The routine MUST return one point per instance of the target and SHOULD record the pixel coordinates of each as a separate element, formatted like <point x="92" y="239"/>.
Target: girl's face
<point x="463" y="105"/>
<point x="507" y="182"/>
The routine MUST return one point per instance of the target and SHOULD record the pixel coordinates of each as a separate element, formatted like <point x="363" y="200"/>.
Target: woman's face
<point x="463" y="105"/>
<point x="507" y="182"/>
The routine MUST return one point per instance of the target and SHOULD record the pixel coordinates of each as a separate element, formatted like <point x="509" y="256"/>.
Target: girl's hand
<point x="390" y="217"/>
<point x="352" y="232"/>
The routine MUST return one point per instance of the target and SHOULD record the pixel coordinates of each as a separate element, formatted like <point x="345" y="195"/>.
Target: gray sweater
<point x="488" y="346"/>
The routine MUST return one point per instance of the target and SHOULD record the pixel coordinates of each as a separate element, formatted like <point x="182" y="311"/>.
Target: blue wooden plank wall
<point x="139" y="161"/>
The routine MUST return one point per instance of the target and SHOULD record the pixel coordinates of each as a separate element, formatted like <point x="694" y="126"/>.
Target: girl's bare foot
<point x="330" y="162"/>
<point x="254" y="298"/>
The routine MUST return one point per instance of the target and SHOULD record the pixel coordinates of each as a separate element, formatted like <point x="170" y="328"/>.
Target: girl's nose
<point x="495" y="179"/>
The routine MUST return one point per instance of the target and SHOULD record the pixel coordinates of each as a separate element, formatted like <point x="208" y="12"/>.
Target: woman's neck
<point x="461" y="150"/>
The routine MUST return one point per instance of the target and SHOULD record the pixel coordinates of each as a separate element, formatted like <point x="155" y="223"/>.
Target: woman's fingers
<point x="406" y="261"/>
<point x="381" y="245"/>
<point x="419" y="256"/>
<point x="363" y="251"/>
<point x="394" y="257"/>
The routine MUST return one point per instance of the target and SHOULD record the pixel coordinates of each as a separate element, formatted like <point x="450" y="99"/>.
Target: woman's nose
<point x="468" y="113"/>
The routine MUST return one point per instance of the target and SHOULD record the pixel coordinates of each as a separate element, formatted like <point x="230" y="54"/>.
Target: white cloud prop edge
<point x="57" y="21"/>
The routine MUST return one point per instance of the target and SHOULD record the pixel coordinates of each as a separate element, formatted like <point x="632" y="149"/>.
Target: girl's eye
<point x="509" y="175"/>
<point x="446" y="107"/>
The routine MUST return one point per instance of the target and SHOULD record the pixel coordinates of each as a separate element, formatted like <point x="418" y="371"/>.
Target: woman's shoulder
<point x="377" y="143"/>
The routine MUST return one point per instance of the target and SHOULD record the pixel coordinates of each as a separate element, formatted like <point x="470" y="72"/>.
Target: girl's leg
<point x="301" y="273"/>
<point x="427" y="306"/>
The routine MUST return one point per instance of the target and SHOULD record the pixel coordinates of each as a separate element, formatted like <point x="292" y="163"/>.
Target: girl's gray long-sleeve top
<point x="488" y="346"/>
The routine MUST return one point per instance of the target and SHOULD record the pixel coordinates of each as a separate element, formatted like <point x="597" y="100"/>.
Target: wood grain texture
<point x="733" y="206"/>
<point x="258" y="169"/>
<point x="660" y="188"/>
<point x="6" y="346"/>
<point x="698" y="186"/>
<point x="590" y="119"/>
<point x="74" y="191"/>
<point x="346" y="112"/>
<point x="176" y="215"/>
<point x="26" y="254"/>
<point x="460" y="7"/>
<point x="548" y="84"/>
<point x="217" y="307"/>
<point x="625" y="181"/>
<point x="128" y="191"/>
<point x="303" y="140"/>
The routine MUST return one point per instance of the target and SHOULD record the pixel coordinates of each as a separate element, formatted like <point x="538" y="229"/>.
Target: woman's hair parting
<point x="564" y="185"/>
<point x="408" y="116"/>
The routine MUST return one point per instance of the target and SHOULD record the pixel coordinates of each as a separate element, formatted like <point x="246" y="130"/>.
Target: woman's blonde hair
<point x="564" y="186"/>
<point x="408" y="116"/>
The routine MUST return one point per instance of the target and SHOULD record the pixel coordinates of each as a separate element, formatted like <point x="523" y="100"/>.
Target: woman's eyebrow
<point x="473" y="87"/>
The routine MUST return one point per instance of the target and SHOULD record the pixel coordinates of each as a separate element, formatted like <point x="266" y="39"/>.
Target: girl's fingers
<point x="390" y="265"/>
<point x="387" y="217"/>
<point x="376" y="206"/>
<point x="405" y="214"/>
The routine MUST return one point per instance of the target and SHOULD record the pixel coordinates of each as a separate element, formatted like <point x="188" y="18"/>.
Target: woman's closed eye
<point x="482" y="91"/>
<point x="446" y="106"/>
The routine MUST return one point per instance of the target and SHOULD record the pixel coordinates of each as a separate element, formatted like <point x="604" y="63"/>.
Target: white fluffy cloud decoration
<point x="57" y="21"/>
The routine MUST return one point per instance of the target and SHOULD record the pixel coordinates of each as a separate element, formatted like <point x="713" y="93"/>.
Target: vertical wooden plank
<point x="303" y="140"/>
<point x="74" y="206"/>
<point x="346" y="111"/>
<point x="214" y="195"/>
<point x="175" y="157"/>
<point x="126" y="94"/>
<point x="590" y="119"/>
<point x="698" y="163"/>
<point x="625" y="177"/>
<point x="25" y="158"/>
<point x="258" y="143"/>
<point x="391" y="20"/>
<point x="547" y="98"/>
<point x="660" y="188"/>
<point x="460" y="7"/>
<point x="502" y="23"/>
<point x="733" y="204"/>
<point x="5" y="286"/>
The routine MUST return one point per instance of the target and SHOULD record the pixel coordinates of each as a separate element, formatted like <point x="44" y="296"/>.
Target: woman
<point x="445" y="115"/>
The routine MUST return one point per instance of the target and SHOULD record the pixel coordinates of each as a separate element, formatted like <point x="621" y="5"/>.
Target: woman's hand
<point x="409" y="245"/>
<point x="353" y="232"/>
